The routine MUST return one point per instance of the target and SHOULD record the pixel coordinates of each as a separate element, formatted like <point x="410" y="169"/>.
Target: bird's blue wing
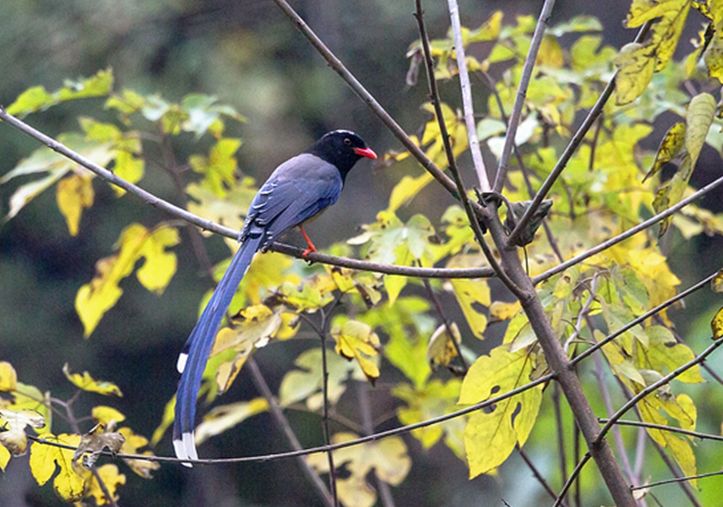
<point x="295" y="192"/>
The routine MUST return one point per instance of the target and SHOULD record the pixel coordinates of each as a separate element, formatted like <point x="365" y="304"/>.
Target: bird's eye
<point x="347" y="141"/>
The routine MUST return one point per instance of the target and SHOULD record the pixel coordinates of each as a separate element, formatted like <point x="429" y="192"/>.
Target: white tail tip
<point x="181" y="363"/>
<point x="185" y="448"/>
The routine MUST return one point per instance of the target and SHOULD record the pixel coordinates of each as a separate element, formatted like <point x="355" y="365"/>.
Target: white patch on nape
<point x="181" y="363"/>
<point x="185" y="448"/>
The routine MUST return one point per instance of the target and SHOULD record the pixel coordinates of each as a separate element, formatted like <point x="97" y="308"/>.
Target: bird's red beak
<point x="366" y="152"/>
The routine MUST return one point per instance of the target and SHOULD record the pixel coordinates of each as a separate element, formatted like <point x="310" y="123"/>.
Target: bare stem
<point x="572" y="479"/>
<point x="516" y="115"/>
<point x="570" y="149"/>
<point x="663" y="427"/>
<point x="466" y="89"/>
<point x="678" y="479"/>
<point x="536" y="474"/>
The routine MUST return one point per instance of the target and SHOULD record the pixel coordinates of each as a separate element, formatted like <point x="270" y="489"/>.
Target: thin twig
<point x="323" y="448"/>
<point x="662" y="306"/>
<point x="676" y="471"/>
<point x="283" y="423"/>
<point x="570" y="480"/>
<point x="536" y="473"/>
<point x="663" y="427"/>
<point x="325" y="393"/>
<point x="561" y="451"/>
<point x="385" y="492"/>
<point x="570" y="149"/>
<point x="457" y="177"/>
<point x="516" y="115"/>
<point x="654" y="386"/>
<point x="629" y="233"/>
<point x="677" y="479"/>
<point x="466" y="89"/>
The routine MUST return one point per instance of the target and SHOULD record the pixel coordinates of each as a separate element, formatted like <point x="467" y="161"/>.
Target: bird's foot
<point x="309" y="250"/>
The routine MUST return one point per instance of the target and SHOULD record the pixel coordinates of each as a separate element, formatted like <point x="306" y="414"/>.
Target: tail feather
<point x="193" y="358"/>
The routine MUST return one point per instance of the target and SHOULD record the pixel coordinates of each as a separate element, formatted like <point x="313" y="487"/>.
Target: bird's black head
<point x="342" y="148"/>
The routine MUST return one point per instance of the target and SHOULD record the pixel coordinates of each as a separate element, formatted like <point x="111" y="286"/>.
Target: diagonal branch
<point x="466" y="90"/>
<point x="207" y="225"/>
<point x="655" y="385"/>
<point x="662" y="306"/>
<point x="322" y="448"/>
<point x="629" y="233"/>
<point x="570" y="149"/>
<point x="570" y="480"/>
<point x="516" y="115"/>
<point x="663" y="427"/>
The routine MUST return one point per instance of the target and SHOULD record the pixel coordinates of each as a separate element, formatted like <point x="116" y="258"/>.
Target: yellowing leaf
<point x="305" y="382"/>
<point x="490" y="437"/>
<point x="8" y="377"/>
<point x="407" y="189"/>
<point x="635" y="70"/>
<point x="388" y="459"/>
<point x="550" y="53"/>
<point x="74" y="194"/>
<point x="356" y="340"/>
<point x="106" y="415"/>
<point x="717" y="282"/>
<point x="112" y="478"/>
<point x="132" y="445"/>
<point x="45" y="460"/>
<point x="38" y="98"/>
<point x="4" y="457"/>
<point x="664" y="355"/>
<point x="441" y="350"/>
<point x="136" y="242"/>
<point x="224" y="417"/>
<point x="86" y="382"/>
<point x="500" y="310"/>
<point x="433" y="399"/>
<point x="219" y="167"/>
<point x="717" y="324"/>
<point x="669" y="147"/>
<point x="12" y="429"/>
<point x="473" y="296"/>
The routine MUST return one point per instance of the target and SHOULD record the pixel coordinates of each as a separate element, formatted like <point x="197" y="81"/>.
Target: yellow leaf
<point x="74" y="194"/>
<point x="669" y="16"/>
<point x="669" y="147"/>
<point x="86" y="382"/>
<point x="407" y="189"/>
<point x="136" y="242"/>
<point x="717" y="282"/>
<point x="8" y="377"/>
<point x="490" y="437"/>
<point x="501" y="310"/>
<point x="717" y="324"/>
<point x="106" y="415"/>
<point x="132" y="445"/>
<point x="664" y="354"/>
<point x="45" y="460"/>
<point x="472" y="296"/>
<point x="550" y="53"/>
<point x="356" y="340"/>
<point x="12" y="429"/>
<point x="388" y="459"/>
<point x="441" y="350"/>
<point x="4" y="457"/>
<point x="433" y="399"/>
<point x="635" y="70"/>
<point x="112" y="478"/>
<point x="224" y="417"/>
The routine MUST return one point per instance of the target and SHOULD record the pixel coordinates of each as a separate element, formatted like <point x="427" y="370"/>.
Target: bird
<point x="296" y="191"/>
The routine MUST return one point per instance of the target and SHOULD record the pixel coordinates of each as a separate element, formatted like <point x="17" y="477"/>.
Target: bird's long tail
<point x="192" y="360"/>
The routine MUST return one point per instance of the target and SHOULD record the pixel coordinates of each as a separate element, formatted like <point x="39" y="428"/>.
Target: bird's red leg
<point x="309" y="244"/>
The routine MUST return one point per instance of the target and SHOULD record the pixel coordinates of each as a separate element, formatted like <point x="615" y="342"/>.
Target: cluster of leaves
<point x="387" y="324"/>
<point x="75" y="477"/>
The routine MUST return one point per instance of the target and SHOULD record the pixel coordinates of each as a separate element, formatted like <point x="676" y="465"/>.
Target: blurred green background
<point x="248" y="54"/>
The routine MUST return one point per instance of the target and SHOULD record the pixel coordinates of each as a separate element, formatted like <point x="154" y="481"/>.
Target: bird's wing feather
<point x="296" y="191"/>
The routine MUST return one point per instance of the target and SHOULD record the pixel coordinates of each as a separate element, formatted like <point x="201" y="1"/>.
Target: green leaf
<point x="38" y="98"/>
<point x="490" y="437"/>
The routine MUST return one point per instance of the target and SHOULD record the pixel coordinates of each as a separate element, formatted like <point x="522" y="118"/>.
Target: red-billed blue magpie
<point x="296" y="191"/>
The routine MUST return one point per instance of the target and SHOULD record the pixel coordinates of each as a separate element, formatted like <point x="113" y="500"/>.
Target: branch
<point x="338" y="67"/>
<point x="677" y="479"/>
<point x="514" y="122"/>
<point x="536" y="473"/>
<point x="570" y="149"/>
<point x="662" y="306"/>
<point x="283" y="423"/>
<point x="466" y="89"/>
<point x="654" y="386"/>
<point x="208" y="225"/>
<point x="570" y="480"/>
<point x="323" y="448"/>
<point x="663" y="427"/>
<point x="630" y="232"/>
<point x="459" y="184"/>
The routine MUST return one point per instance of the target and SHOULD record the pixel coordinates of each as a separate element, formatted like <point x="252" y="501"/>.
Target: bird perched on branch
<point x="297" y="190"/>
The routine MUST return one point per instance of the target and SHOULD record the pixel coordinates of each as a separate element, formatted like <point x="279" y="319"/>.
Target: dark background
<point x="248" y="54"/>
